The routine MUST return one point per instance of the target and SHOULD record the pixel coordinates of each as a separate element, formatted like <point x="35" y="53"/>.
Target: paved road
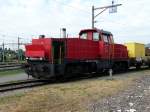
<point x="19" y="76"/>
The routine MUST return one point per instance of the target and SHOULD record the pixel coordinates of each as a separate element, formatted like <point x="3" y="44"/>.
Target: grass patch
<point x="10" y="99"/>
<point x="10" y="72"/>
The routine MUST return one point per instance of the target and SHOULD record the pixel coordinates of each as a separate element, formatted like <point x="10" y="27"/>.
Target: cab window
<point x="111" y="39"/>
<point x="96" y="36"/>
<point x="105" y="38"/>
<point x="83" y="36"/>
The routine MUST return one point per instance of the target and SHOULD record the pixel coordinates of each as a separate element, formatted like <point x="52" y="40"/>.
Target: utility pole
<point x="18" y="48"/>
<point x="3" y="52"/>
<point x="3" y="48"/>
<point x="93" y="21"/>
<point x="113" y="7"/>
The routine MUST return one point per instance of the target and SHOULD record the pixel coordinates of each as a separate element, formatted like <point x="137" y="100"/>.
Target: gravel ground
<point x="19" y="76"/>
<point x="135" y="99"/>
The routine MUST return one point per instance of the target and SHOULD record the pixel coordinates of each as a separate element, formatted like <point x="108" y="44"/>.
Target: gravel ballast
<point x="135" y="99"/>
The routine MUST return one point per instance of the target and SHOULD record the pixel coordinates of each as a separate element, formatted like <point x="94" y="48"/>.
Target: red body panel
<point x="39" y="48"/>
<point x="35" y="51"/>
<point x="77" y="49"/>
<point x="120" y="52"/>
<point x="81" y="49"/>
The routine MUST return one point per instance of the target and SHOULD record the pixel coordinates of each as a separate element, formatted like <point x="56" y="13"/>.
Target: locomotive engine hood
<point x="35" y="51"/>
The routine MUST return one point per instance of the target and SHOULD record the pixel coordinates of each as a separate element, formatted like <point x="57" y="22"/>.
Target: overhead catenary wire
<point x="77" y="8"/>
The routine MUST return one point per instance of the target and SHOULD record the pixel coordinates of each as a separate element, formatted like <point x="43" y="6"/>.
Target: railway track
<point x="5" y="87"/>
<point x="10" y="66"/>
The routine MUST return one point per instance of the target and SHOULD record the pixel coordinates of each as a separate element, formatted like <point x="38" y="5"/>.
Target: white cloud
<point x="34" y="17"/>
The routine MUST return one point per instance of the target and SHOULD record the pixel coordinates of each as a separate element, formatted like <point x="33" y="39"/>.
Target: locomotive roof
<point x="95" y="30"/>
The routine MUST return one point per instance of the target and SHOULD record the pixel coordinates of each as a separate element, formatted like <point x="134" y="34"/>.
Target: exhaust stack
<point x="64" y="32"/>
<point x="41" y="36"/>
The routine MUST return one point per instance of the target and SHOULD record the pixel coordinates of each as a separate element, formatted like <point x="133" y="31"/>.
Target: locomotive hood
<point x="35" y="51"/>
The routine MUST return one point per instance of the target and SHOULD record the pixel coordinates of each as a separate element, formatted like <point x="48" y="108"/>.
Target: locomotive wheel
<point x="124" y="67"/>
<point x="115" y="68"/>
<point x="68" y="72"/>
<point x="120" y="67"/>
<point x="138" y="67"/>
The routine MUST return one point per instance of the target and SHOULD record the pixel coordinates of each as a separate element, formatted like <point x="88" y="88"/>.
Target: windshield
<point x="83" y="36"/>
<point x="95" y="36"/>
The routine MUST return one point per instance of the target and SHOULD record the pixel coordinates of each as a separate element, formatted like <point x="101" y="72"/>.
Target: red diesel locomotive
<point x="93" y="51"/>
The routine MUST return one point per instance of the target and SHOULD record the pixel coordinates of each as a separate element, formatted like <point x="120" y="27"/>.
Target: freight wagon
<point x="138" y="55"/>
<point x="93" y="51"/>
<point x="147" y="51"/>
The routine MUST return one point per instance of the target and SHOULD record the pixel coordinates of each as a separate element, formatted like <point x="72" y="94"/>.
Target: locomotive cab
<point x="90" y="34"/>
<point x="104" y="38"/>
<point x="96" y="35"/>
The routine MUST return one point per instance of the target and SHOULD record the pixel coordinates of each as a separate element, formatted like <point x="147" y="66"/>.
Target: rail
<point x="5" y="87"/>
<point x="11" y="66"/>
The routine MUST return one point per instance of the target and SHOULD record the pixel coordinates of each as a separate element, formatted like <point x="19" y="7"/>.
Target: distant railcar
<point x="138" y="55"/>
<point x="147" y="51"/>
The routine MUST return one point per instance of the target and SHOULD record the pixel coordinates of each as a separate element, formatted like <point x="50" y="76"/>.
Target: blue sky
<point x="29" y="18"/>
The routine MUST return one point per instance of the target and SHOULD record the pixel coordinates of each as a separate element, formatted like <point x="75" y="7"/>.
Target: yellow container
<point x="136" y="50"/>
